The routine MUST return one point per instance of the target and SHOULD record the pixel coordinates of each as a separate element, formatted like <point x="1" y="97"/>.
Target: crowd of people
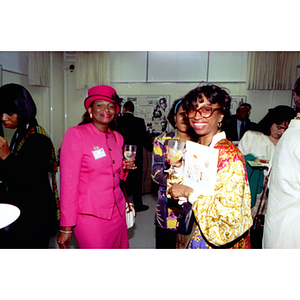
<point x="95" y="176"/>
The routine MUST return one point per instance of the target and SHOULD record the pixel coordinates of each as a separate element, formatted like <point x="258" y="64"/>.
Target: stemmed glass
<point x="175" y="152"/>
<point x="129" y="152"/>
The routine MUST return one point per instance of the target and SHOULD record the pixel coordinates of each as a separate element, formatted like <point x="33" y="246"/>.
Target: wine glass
<point x="129" y="152"/>
<point x="175" y="152"/>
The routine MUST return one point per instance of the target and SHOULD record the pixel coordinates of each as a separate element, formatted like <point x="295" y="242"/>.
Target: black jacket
<point x="133" y="130"/>
<point x="26" y="176"/>
<point x="231" y="128"/>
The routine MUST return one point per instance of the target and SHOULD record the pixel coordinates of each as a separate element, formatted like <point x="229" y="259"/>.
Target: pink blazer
<point x="91" y="169"/>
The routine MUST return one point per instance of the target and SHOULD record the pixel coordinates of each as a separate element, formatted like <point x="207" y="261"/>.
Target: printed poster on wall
<point x="153" y="109"/>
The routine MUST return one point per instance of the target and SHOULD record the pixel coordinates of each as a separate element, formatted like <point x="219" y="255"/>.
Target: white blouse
<point x="257" y="144"/>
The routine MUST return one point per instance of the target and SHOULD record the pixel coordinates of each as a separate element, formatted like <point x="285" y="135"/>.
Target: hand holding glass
<point x="174" y="151"/>
<point x="129" y="154"/>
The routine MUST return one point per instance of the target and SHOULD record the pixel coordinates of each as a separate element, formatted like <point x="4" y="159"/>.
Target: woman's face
<point x="206" y="127"/>
<point x="182" y="122"/>
<point x="103" y="112"/>
<point x="10" y="120"/>
<point x="278" y="130"/>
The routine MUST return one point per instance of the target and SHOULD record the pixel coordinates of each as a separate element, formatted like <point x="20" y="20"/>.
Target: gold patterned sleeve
<point x="227" y="215"/>
<point x="173" y="178"/>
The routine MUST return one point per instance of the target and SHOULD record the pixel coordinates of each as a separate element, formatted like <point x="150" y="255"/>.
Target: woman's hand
<point x="178" y="163"/>
<point x="179" y="190"/>
<point x="4" y="148"/>
<point x="129" y="164"/>
<point x="64" y="237"/>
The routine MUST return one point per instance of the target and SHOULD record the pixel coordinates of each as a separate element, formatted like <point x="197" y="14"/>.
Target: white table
<point x="8" y="214"/>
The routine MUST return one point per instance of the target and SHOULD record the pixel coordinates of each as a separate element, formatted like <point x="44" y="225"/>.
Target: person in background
<point x="262" y="142"/>
<point x="92" y="165"/>
<point x="238" y="124"/>
<point x="260" y="145"/>
<point x="223" y="217"/>
<point x="133" y="130"/>
<point x="25" y="167"/>
<point x="282" y="221"/>
<point x="167" y="210"/>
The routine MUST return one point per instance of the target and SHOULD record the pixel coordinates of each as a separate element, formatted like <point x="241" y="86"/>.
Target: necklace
<point x="204" y="145"/>
<point x="219" y="130"/>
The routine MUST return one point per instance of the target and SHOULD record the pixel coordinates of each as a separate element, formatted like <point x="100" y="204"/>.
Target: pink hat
<point x="102" y="92"/>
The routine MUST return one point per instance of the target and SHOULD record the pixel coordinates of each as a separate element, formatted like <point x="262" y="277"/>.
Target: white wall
<point x="260" y="100"/>
<point x="52" y="103"/>
<point x="57" y="99"/>
<point x="15" y="61"/>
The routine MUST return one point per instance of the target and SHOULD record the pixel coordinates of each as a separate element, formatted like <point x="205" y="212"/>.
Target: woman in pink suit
<point x="92" y="164"/>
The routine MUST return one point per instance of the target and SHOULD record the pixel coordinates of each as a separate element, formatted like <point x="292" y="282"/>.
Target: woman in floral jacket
<point x="223" y="218"/>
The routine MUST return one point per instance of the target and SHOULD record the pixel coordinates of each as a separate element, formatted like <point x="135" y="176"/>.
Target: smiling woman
<point x="92" y="165"/>
<point x="224" y="218"/>
<point x="102" y="113"/>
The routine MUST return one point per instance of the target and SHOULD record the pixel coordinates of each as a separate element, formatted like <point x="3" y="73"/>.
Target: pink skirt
<point x="95" y="233"/>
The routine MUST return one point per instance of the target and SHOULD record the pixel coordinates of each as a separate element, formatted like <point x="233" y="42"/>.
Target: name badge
<point x="99" y="153"/>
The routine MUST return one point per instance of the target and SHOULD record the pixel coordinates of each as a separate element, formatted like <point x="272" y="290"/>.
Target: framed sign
<point x="236" y="101"/>
<point x="153" y="109"/>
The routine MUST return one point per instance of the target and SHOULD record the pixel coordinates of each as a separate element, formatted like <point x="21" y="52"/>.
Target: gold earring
<point x="220" y="125"/>
<point x="91" y="116"/>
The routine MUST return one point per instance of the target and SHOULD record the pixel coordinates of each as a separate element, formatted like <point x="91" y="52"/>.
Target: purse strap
<point x="263" y="194"/>
<point x="125" y="195"/>
<point x="122" y="184"/>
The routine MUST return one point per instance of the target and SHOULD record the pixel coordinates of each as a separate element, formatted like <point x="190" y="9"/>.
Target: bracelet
<point x="189" y="194"/>
<point x="65" y="231"/>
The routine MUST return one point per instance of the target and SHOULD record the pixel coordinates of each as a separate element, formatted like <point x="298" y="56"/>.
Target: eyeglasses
<point x="205" y="112"/>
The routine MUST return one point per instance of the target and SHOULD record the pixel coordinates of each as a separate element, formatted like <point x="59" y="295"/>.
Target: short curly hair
<point x="213" y="93"/>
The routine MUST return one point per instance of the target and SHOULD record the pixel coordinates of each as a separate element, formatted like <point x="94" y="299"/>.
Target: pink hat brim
<point x="90" y="99"/>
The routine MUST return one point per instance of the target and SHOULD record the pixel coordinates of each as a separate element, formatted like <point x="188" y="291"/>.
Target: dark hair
<point x="129" y="106"/>
<point x="213" y="93"/>
<point x="14" y="98"/>
<point x="85" y="118"/>
<point x="277" y="115"/>
<point x="174" y="109"/>
<point x="296" y="94"/>
<point x="244" y="104"/>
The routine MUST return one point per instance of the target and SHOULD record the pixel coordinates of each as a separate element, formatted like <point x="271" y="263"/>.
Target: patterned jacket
<point x="167" y="210"/>
<point x="223" y="219"/>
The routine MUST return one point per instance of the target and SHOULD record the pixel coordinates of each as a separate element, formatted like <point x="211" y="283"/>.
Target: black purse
<point x="186" y="219"/>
